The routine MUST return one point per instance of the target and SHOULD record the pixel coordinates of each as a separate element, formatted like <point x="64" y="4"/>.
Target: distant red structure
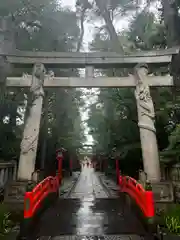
<point x="59" y="157"/>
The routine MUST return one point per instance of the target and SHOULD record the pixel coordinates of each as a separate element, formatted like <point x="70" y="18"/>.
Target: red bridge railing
<point x="143" y="198"/>
<point x="33" y="200"/>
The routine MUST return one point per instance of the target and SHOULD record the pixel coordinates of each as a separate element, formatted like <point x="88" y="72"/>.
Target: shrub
<point x="172" y="219"/>
<point x="5" y="222"/>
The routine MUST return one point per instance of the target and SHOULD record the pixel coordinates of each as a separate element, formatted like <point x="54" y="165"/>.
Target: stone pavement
<point x="88" y="186"/>
<point x="67" y="185"/>
<point x="89" y="211"/>
<point x="109" y="184"/>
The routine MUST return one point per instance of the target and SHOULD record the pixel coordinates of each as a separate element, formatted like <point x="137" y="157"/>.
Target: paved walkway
<point x="88" y="186"/>
<point x="89" y="212"/>
<point x="67" y="185"/>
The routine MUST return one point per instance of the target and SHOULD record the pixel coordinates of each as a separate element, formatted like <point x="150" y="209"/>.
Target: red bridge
<point x="90" y="209"/>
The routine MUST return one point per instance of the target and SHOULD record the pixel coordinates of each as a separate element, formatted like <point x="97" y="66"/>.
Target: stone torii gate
<point x="140" y="80"/>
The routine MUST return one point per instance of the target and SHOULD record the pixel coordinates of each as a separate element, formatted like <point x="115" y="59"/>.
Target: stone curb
<point x="65" y="190"/>
<point x="113" y="191"/>
<point x="73" y="186"/>
<point x="107" y="190"/>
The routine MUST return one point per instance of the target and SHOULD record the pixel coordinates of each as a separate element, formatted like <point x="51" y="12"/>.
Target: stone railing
<point x="8" y="172"/>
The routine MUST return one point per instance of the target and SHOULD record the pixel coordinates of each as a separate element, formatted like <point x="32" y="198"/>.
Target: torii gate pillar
<point x="146" y="117"/>
<point x="32" y="125"/>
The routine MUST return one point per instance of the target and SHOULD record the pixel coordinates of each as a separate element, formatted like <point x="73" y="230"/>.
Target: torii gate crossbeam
<point x="95" y="59"/>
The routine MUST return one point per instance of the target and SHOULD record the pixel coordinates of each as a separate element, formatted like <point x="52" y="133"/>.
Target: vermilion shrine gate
<point x="42" y="77"/>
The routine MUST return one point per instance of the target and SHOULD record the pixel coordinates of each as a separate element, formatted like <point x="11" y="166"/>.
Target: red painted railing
<point x="143" y="198"/>
<point x="33" y="200"/>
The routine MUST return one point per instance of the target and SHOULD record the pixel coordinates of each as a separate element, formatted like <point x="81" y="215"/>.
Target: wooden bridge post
<point x="146" y="117"/>
<point x="31" y="131"/>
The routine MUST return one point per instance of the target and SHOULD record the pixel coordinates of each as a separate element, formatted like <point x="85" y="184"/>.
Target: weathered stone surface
<point x="14" y="195"/>
<point x="177" y="192"/>
<point x="96" y="59"/>
<point x="163" y="192"/>
<point x="142" y="177"/>
<point x="32" y="125"/>
<point x="146" y="116"/>
<point x="152" y="81"/>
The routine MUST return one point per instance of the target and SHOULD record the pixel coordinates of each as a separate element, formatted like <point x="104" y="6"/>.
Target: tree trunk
<point x="13" y="114"/>
<point x="116" y="45"/>
<point x="170" y="14"/>
<point x="79" y="44"/>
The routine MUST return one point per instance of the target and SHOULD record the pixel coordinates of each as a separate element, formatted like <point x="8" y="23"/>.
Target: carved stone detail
<point x="144" y="100"/>
<point x="38" y="76"/>
<point x="51" y="74"/>
<point x="146" y="116"/>
<point x="25" y="76"/>
<point x="32" y="124"/>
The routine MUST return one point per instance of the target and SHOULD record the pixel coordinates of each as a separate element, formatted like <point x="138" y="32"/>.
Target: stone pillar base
<point x="14" y="194"/>
<point x="163" y="197"/>
<point x="163" y="192"/>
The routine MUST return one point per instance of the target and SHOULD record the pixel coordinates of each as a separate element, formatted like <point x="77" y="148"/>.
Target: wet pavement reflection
<point x="88" y="189"/>
<point x="88" y="186"/>
<point x="89" y="211"/>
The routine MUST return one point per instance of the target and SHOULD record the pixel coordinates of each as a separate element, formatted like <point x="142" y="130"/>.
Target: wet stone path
<point x="88" y="186"/>
<point x="89" y="211"/>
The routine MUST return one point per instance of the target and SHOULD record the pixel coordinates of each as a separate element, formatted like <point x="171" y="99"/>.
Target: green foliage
<point x="172" y="219"/>
<point x="174" y="139"/>
<point x="5" y="222"/>
<point x="173" y="149"/>
<point x="146" y="32"/>
<point x="113" y="123"/>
